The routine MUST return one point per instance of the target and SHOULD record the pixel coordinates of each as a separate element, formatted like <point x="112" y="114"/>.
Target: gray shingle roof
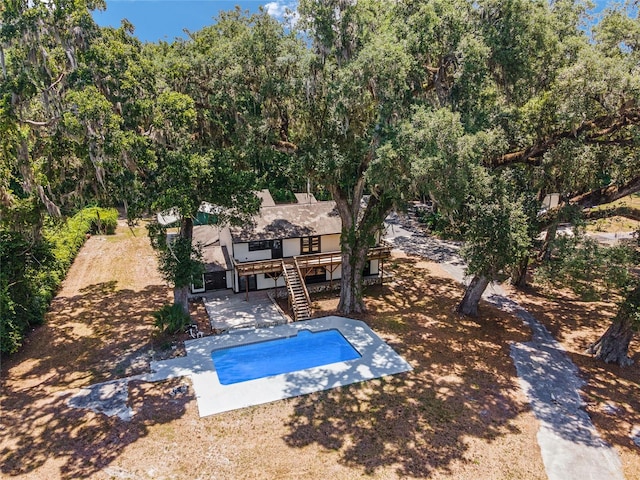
<point x="290" y="221"/>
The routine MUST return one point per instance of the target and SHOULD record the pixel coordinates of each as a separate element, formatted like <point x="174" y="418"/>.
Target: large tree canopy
<point x="483" y="106"/>
<point x="356" y="90"/>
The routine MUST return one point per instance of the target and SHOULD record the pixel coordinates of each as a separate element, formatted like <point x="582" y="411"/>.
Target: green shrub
<point x="282" y="195"/>
<point x="170" y="318"/>
<point x="103" y="220"/>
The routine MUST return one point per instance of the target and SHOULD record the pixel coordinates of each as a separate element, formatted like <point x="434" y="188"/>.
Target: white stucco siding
<point x="263" y="282"/>
<point x="290" y="247"/>
<point x="242" y="254"/>
<point x="337" y="273"/>
<point x="375" y="267"/>
<point x="230" y="277"/>
<point x="330" y="243"/>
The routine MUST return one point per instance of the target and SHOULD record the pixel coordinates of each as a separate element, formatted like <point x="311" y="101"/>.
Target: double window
<point x="310" y="245"/>
<point x="260" y="245"/>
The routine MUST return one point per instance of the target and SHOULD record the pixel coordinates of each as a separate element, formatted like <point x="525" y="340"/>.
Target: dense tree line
<point x="484" y="107"/>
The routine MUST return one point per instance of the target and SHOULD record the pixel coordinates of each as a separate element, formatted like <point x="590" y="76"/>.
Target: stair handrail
<point x="302" y="282"/>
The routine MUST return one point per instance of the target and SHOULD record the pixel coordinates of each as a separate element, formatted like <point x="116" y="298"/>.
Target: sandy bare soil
<point x="458" y="415"/>
<point x="611" y="393"/>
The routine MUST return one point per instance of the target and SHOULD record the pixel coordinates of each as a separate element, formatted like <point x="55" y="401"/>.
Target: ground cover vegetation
<point x="482" y="107"/>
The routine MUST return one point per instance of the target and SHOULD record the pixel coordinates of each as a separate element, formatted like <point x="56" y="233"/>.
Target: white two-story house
<point x="304" y="236"/>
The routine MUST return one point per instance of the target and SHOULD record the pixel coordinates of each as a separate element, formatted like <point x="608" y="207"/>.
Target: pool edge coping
<point x="377" y="359"/>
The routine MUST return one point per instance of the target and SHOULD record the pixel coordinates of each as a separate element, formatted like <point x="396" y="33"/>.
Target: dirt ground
<point x="458" y="415"/>
<point x="611" y="393"/>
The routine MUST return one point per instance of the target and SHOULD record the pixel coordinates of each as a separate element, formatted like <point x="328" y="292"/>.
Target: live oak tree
<point x="61" y="139"/>
<point x="561" y="111"/>
<point x="221" y="120"/>
<point x="355" y="93"/>
<point x="613" y="345"/>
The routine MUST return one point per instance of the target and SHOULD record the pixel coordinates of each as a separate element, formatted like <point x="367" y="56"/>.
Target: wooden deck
<point x="326" y="259"/>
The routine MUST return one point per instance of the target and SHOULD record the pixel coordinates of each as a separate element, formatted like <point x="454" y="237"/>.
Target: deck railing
<point x="305" y="261"/>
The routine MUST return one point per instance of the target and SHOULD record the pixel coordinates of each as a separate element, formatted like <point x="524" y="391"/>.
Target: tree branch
<point x="592" y="131"/>
<point x="606" y="195"/>
<point x="39" y="124"/>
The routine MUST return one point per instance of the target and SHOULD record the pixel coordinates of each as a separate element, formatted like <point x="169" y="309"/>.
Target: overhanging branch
<point x="599" y="130"/>
<point x="607" y="194"/>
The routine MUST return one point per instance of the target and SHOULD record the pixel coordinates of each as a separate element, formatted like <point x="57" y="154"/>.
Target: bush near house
<point x="31" y="271"/>
<point x="171" y="319"/>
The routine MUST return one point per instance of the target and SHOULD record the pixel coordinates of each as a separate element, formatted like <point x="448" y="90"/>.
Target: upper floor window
<point x="310" y="245"/>
<point x="259" y="245"/>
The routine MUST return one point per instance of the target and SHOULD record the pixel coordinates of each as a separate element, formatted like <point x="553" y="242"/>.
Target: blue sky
<point x="166" y="19"/>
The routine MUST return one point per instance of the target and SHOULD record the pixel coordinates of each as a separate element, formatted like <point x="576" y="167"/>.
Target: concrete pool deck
<point x="377" y="360"/>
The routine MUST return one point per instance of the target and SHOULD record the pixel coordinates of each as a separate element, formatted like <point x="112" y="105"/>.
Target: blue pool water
<point x="284" y="355"/>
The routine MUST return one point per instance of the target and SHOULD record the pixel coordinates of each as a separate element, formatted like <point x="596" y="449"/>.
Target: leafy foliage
<point x="179" y="261"/>
<point x="31" y="272"/>
<point x="587" y="268"/>
<point x="171" y="318"/>
<point x="497" y="233"/>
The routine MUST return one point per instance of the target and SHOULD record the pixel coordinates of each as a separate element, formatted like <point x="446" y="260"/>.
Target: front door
<point x="276" y="249"/>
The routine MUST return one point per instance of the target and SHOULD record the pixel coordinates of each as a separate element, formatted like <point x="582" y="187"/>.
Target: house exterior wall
<point x="263" y="282"/>
<point x="290" y="247"/>
<point x="330" y="243"/>
<point x="337" y="274"/>
<point x="375" y="267"/>
<point x="242" y="254"/>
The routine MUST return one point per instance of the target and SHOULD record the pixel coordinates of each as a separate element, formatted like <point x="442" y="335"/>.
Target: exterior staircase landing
<point x="298" y="294"/>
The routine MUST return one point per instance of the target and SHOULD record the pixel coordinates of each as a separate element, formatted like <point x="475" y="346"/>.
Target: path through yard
<point x="570" y="445"/>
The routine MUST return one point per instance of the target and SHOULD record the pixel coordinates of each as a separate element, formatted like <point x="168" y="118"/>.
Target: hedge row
<point x="31" y="273"/>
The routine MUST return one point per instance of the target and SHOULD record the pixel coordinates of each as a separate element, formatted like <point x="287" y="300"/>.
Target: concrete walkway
<point x="570" y="446"/>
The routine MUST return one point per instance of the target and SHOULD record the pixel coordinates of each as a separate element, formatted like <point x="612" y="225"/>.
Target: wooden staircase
<point x="298" y="294"/>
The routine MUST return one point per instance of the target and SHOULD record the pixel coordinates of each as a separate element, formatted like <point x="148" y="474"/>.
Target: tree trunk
<point x="472" y="295"/>
<point x="545" y="251"/>
<point x="351" y="290"/>
<point x="519" y="273"/>
<point x="613" y="346"/>
<point x="359" y="232"/>
<point x="181" y="297"/>
<point x="181" y="294"/>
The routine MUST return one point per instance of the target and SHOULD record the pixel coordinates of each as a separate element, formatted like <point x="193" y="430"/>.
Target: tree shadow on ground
<point x="611" y="391"/>
<point x="562" y="312"/>
<point x="463" y="383"/>
<point x="100" y="335"/>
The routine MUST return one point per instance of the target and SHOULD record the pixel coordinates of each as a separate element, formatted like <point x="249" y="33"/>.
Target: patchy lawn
<point x="618" y="223"/>
<point x="458" y="415"/>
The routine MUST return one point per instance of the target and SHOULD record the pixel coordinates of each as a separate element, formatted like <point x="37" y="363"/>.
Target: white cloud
<point x="278" y="9"/>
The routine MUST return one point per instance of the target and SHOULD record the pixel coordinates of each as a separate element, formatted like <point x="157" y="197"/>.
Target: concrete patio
<point x="229" y="311"/>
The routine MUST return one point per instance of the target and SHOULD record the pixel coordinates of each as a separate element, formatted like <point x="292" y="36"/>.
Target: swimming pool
<point x="376" y="359"/>
<point x="285" y="355"/>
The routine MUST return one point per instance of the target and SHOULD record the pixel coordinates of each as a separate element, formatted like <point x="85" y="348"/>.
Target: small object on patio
<point x="179" y="390"/>
<point x="193" y="331"/>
